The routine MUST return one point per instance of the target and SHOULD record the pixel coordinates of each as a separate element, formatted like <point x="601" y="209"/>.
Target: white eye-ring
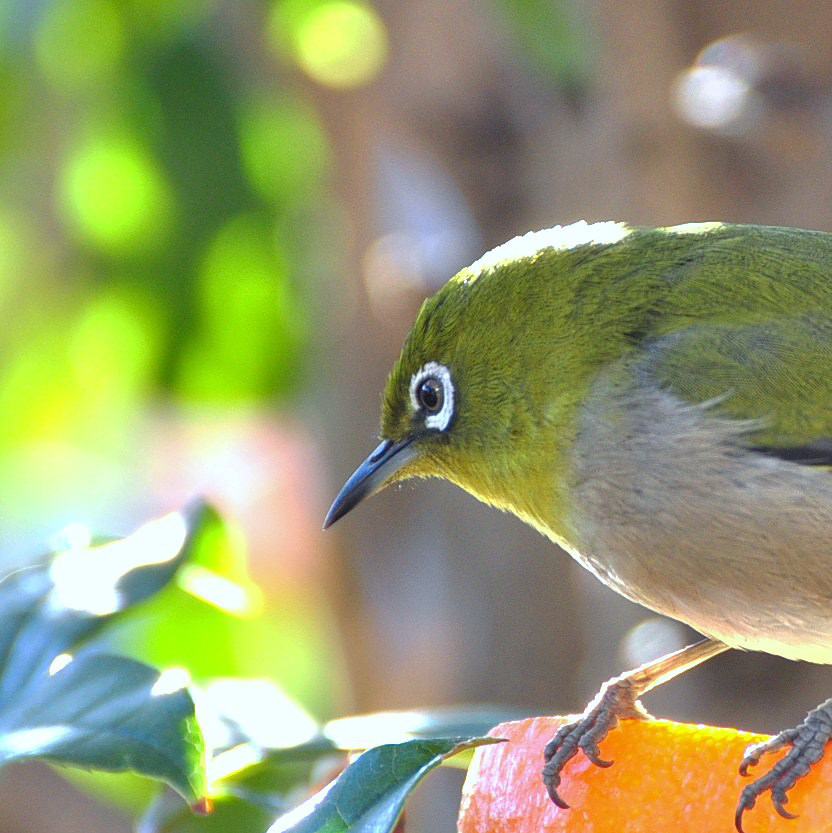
<point x="432" y="393"/>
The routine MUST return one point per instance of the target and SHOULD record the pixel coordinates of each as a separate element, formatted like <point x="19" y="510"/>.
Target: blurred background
<point x="217" y="222"/>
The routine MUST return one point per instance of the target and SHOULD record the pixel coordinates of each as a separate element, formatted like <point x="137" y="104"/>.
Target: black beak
<point x="371" y="476"/>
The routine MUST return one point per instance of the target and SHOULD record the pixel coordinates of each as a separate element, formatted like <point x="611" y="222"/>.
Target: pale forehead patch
<point x="559" y="238"/>
<point x="693" y="228"/>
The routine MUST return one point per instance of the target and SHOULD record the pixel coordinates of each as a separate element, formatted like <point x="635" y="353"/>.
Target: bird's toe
<point x="806" y="744"/>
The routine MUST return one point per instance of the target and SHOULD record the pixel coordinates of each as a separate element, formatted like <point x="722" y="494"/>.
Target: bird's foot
<point x="617" y="699"/>
<point x="807" y="742"/>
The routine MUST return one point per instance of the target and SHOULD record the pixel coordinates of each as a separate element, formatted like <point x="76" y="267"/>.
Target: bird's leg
<point x="618" y="698"/>
<point x="807" y="741"/>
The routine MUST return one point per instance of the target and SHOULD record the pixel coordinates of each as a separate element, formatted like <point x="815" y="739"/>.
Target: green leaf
<point x="95" y="710"/>
<point x="248" y="800"/>
<point x="108" y="712"/>
<point x="47" y="609"/>
<point x="369" y="796"/>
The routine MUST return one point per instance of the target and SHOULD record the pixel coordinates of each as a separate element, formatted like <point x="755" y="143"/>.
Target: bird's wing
<point x="775" y="371"/>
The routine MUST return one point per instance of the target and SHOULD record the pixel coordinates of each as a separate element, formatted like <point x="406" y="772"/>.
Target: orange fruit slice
<point x="666" y="777"/>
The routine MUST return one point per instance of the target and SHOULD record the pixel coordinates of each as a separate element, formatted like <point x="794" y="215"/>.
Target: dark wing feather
<point x="774" y="372"/>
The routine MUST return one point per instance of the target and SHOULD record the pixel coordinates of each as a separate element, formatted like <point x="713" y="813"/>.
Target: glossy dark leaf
<point x="48" y="609"/>
<point x="249" y="800"/>
<point x="110" y="713"/>
<point x="369" y="796"/>
<point x="95" y="710"/>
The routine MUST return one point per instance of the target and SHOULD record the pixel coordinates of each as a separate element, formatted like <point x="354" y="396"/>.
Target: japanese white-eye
<point x="658" y="402"/>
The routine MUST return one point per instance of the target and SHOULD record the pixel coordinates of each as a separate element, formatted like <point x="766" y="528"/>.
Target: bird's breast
<point x="668" y="508"/>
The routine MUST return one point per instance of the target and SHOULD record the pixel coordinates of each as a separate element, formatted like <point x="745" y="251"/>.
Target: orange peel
<point x="666" y="777"/>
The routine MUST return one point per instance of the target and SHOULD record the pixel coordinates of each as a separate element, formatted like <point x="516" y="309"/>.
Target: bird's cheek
<point x="422" y="466"/>
<point x="430" y="462"/>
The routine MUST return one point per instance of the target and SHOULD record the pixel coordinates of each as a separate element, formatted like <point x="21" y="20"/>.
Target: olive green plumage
<point x="740" y="312"/>
<point x="737" y="315"/>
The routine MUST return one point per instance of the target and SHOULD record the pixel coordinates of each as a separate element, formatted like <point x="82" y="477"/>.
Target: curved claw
<point x="778" y="805"/>
<point x="807" y="742"/>
<point x="747" y="800"/>
<point x="594" y="754"/>
<point x="746" y="763"/>
<point x="551" y="789"/>
<point x="752" y="758"/>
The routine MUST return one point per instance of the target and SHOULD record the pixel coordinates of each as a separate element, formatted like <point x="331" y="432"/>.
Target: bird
<point x="658" y="403"/>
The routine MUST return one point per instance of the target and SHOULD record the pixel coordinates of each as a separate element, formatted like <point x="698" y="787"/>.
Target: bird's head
<point x="433" y="398"/>
<point x="473" y="396"/>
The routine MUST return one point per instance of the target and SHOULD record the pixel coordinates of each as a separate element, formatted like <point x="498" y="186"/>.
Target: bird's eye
<point x="432" y="394"/>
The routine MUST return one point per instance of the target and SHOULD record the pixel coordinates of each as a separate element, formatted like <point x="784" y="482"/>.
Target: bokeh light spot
<point x="711" y="97"/>
<point x="339" y="43"/>
<point x="59" y="663"/>
<point x="264" y="712"/>
<point x="251" y="323"/>
<point x="78" y="42"/>
<point x="170" y="681"/>
<point x="90" y="579"/>
<point x="653" y="637"/>
<point x="283" y="148"/>
<point x="114" y="195"/>
<point x="220" y="591"/>
<point x="719" y="91"/>
<point x="113" y="346"/>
